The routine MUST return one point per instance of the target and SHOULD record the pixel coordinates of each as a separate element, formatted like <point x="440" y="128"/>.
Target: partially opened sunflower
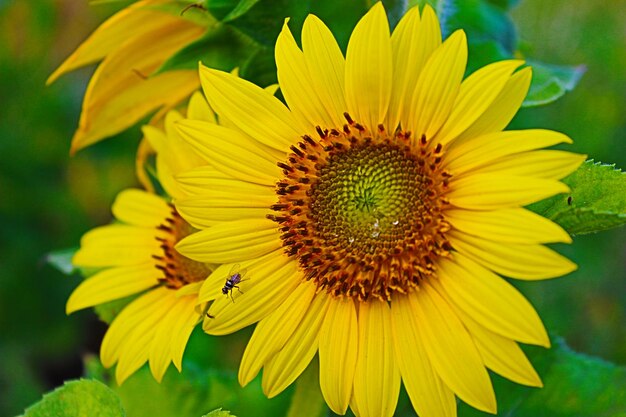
<point x="375" y="215"/>
<point x="130" y="46"/>
<point x="136" y="255"/>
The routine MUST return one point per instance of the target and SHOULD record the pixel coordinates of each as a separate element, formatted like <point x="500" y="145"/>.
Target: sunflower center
<point x="363" y="211"/>
<point x="177" y="269"/>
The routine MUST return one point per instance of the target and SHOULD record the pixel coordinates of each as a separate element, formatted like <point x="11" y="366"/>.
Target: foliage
<point x="597" y="200"/>
<point x="574" y="385"/>
<point x="78" y="398"/>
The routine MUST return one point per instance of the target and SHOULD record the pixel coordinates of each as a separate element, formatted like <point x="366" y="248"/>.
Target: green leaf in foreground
<point x="219" y="413"/>
<point x="77" y="399"/>
<point x="62" y="260"/>
<point x="578" y="385"/>
<point x="597" y="200"/>
<point x="190" y="394"/>
<point x="575" y="385"/>
<point x="550" y="82"/>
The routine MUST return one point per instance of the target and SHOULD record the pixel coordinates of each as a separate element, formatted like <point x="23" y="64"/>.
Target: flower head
<point x="374" y="214"/>
<point x="136" y="255"/>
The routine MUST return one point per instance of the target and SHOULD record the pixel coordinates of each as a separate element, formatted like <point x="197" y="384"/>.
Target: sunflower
<point x="131" y="45"/>
<point x="375" y="215"/>
<point x="136" y="255"/>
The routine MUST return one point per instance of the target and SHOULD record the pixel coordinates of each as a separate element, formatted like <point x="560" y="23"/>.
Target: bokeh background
<point x="48" y="199"/>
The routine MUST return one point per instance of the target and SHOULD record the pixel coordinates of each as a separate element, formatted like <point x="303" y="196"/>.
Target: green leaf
<point x="240" y="9"/>
<point x="260" y="68"/>
<point x="78" y="399"/>
<point x="219" y="413"/>
<point x="62" y="260"/>
<point x="575" y="385"/>
<point x="222" y="8"/>
<point x="264" y="20"/>
<point x="578" y="385"/>
<point x="221" y="48"/>
<point x="190" y="394"/>
<point x="307" y="399"/>
<point x="597" y="200"/>
<point x="550" y="82"/>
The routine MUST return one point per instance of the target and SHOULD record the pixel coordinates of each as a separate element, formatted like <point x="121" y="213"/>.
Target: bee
<point x="232" y="280"/>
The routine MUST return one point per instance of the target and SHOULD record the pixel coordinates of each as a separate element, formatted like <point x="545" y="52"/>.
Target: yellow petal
<point x="412" y="42"/>
<point x="429" y="395"/>
<point x="160" y="354"/>
<point x="515" y="225"/>
<point x="499" y="353"/>
<point x="264" y="289"/>
<point x="125" y="108"/>
<point x="477" y="92"/>
<point x="177" y="153"/>
<point x="463" y="157"/>
<point x="257" y="113"/>
<point x="368" y="69"/>
<point x="174" y="155"/>
<point x="326" y="67"/>
<point x="492" y="191"/>
<point x="181" y="331"/>
<point x="140" y="208"/>
<point x="200" y="180"/>
<point x="490" y="300"/>
<point x="111" y="284"/>
<point x="548" y="164"/>
<point x="234" y="154"/>
<point x="438" y="86"/>
<point x="513" y="260"/>
<point x="212" y="286"/>
<point x="295" y="355"/>
<point x="125" y="323"/>
<point x="117" y="245"/>
<point x="136" y="348"/>
<point x="157" y="139"/>
<point x="217" y="207"/>
<point x="116" y="99"/>
<point x="376" y="378"/>
<point x="296" y="86"/>
<point x="502" y="109"/>
<point x="451" y="349"/>
<point x="134" y="20"/>
<point x="271" y="334"/>
<point x="172" y="335"/>
<point x="198" y="109"/>
<point x="337" y="352"/>
<point x="502" y="355"/>
<point x="231" y="241"/>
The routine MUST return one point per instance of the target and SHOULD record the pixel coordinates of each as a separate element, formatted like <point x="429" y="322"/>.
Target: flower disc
<point x="362" y="211"/>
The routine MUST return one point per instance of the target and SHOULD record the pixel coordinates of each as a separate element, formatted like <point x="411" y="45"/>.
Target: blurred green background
<point x="49" y="199"/>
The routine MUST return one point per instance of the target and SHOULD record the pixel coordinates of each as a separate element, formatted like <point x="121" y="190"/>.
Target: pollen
<point x="363" y="211"/>
<point x="178" y="270"/>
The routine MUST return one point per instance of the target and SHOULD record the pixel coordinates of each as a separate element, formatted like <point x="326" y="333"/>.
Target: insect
<point x="235" y="276"/>
<point x="569" y="200"/>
